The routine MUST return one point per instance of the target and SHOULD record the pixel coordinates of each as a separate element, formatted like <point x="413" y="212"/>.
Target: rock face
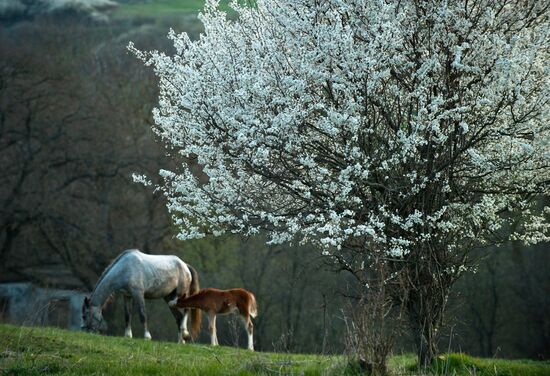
<point x="17" y="10"/>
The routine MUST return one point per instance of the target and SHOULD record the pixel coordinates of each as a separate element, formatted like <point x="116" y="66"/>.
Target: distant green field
<point x="38" y="351"/>
<point x="160" y="8"/>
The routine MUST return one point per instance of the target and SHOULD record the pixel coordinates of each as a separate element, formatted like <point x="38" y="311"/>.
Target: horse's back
<point x="243" y="297"/>
<point x="236" y="293"/>
<point x="244" y="294"/>
<point x="157" y="275"/>
<point x="223" y="301"/>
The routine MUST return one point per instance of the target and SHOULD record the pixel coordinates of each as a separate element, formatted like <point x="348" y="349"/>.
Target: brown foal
<point x="220" y="302"/>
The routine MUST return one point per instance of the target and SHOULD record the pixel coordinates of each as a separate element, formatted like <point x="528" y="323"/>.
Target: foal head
<point x="92" y="317"/>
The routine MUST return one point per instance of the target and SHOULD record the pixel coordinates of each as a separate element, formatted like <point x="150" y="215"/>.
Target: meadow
<point x="37" y="351"/>
<point x="161" y="8"/>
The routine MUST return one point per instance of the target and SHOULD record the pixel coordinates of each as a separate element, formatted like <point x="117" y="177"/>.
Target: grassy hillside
<point x="32" y="351"/>
<point x="36" y="351"/>
<point x="461" y="364"/>
<point x="159" y="8"/>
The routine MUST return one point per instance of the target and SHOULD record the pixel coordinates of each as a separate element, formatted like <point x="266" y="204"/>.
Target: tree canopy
<point x="392" y="123"/>
<point x="412" y="130"/>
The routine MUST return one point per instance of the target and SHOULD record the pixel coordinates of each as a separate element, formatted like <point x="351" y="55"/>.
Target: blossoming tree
<point x="411" y="130"/>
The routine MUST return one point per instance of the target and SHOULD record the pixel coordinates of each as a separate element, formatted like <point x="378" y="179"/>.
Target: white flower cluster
<point x="395" y="123"/>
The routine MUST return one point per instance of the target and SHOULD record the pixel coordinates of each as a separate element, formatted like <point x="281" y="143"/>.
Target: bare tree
<point x="73" y="129"/>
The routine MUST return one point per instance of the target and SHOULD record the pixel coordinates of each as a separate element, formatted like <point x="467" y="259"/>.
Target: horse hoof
<point x="147" y="336"/>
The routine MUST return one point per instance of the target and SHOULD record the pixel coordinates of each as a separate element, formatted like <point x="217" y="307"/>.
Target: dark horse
<point x="139" y="276"/>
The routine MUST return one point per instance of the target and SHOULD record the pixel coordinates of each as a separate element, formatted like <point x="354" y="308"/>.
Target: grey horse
<point x="139" y="276"/>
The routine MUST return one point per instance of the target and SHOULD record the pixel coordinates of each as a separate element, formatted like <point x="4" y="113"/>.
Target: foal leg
<point x="249" y="329"/>
<point x="212" y="327"/>
<point x="140" y="300"/>
<point x="128" y="316"/>
<point x="181" y="319"/>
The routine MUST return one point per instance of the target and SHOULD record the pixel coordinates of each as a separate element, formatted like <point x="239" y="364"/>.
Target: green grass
<point x="462" y="364"/>
<point x="38" y="351"/>
<point x="161" y="8"/>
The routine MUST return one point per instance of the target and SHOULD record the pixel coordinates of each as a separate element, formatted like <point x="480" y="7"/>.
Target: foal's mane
<point x="108" y="268"/>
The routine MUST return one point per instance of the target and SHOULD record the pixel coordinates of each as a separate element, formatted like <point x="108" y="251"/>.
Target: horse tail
<point x="195" y="286"/>
<point x="253" y="306"/>
<point x="196" y="314"/>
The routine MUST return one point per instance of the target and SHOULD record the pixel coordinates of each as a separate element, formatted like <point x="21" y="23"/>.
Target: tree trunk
<point x="425" y="310"/>
<point x="426" y="344"/>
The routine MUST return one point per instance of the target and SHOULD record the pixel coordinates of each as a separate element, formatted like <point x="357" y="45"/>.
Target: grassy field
<point x="34" y="351"/>
<point x="461" y="364"/>
<point x="37" y="351"/>
<point x="160" y="8"/>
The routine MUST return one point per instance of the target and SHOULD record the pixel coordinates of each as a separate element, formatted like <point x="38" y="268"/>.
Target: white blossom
<point x="391" y="122"/>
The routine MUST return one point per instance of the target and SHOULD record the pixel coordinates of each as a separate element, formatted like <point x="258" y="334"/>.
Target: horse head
<point x="92" y="317"/>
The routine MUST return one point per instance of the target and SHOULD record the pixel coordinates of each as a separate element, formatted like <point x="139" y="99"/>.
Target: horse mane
<point x="109" y="267"/>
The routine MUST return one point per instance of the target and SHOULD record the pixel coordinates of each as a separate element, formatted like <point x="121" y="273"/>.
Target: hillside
<point x="160" y="8"/>
<point x="33" y="351"/>
<point x="99" y="10"/>
<point x="25" y="351"/>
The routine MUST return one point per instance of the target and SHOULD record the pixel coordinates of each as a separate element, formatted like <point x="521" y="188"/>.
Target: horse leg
<point x="138" y="297"/>
<point x="212" y="328"/>
<point x="128" y="316"/>
<point x="249" y="329"/>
